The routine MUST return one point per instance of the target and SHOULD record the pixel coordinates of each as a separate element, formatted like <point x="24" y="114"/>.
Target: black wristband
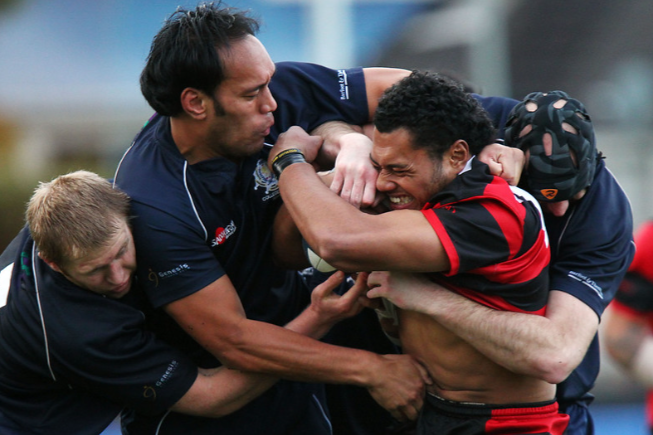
<point x="286" y="158"/>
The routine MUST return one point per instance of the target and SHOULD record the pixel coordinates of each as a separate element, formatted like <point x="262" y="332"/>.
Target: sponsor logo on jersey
<point x="172" y="367"/>
<point x="222" y="234"/>
<point x="149" y="393"/>
<point x="154" y="277"/>
<point x="265" y="179"/>
<point x="344" y="84"/>
<point x="587" y="281"/>
<point x="549" y="193"/>
<point x="450" y="208"/>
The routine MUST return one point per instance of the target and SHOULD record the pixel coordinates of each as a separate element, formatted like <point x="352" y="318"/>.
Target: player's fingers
<point x="347" y="186"/>
<point x="357" y="192"/>
<point x="336" y="183"/>
<point x="330" y="284"/>
<point x="495" y="167"/>
<point x="358" y="289"/>
<point x="426" y="378"/>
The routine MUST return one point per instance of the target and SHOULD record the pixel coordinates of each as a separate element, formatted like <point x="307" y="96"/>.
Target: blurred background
<point x="69" y="94"/>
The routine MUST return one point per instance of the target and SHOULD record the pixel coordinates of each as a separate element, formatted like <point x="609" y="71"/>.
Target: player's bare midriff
<point x="461" y="373"/>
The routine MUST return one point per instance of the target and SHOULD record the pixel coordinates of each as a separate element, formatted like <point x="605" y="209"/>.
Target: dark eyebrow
<point x="261" y="86"/>
<point x="254" y="89"/>
<point x="389" y="167"/>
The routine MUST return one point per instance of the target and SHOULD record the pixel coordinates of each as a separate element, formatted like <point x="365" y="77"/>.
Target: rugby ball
<point x="316" y="261"/>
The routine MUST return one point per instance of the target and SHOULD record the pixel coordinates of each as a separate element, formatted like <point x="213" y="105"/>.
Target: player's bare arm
<point x="377" y="80"/>
<point x="344" y="236"/>
<point x="215" y="318"/>
<point x="546" y="347"/>
<point x="219" y="392"/>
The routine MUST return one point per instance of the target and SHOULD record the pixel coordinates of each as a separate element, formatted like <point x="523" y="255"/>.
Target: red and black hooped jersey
<point x="495" y="239"/>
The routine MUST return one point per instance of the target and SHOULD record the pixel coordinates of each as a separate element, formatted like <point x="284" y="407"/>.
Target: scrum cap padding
<point x="558" y="134"/>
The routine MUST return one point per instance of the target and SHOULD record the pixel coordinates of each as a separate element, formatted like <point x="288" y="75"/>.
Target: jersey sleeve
<point x="309" y="95"/>
<point x="498" y="108"/>
<point x="595" y="246"/>
<point x="173" y="258"/>
<point x="101" y="345"/>
<point x="469" y="234"/>
<point x="481" y="222"/>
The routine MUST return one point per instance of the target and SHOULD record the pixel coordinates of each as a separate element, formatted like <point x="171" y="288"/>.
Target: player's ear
<point x="50" y="263"/>
<point x="194" y="103"/>
<point x="459" y="154"/>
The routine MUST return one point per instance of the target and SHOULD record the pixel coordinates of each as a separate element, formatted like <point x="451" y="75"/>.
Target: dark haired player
<point x="589" y="221"/>
<point x="451" y="219"/>
<point x="206" y="204"/>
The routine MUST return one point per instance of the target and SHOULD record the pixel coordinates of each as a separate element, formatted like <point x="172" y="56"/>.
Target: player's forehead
<point x="393" y="148"/>
<point x="104" y="255"/>
<point x="247" y="65"/>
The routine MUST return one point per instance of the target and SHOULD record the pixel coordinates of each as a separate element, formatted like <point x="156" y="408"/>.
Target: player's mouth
<point x="121" y="290"/>
<point x="267" y="130"/>
<point x="400" y="202"/>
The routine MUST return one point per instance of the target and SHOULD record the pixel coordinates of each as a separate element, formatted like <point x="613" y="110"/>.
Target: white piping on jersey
<point x="115" y="175"/>
<point x="190" y="198"/>
<point x="158" y="426"/>
<point x="324" y="414"/>
<point x="521" y="194"/>
<point x="38" y="301"/>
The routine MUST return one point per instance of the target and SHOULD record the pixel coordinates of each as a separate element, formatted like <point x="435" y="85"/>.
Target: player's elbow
<point x="336" y="250"/>
<point x="554" y="367"/>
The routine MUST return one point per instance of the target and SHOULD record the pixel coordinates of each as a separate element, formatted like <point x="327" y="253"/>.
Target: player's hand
<point x="354" y="177"/>
<point x="331" y="307"/>
<point x="296" y="137"/>
<point x="408" y="291"/>
<point x="505" y="162"/>
<point x="398" y="385"/>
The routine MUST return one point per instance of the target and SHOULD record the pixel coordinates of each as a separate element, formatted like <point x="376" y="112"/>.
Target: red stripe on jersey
<point x="493" y="301"/>
<point x="522" y="421"/>
<point x="446" y="241"/>
<point x="521" y="269"/>
<point x="511" y="222"/>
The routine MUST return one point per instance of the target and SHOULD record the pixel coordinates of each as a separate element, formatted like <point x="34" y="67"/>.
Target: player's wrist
<point x="286" y="158"/>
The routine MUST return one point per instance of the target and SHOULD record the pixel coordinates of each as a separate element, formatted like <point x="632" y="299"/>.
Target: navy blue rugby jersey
<point x="72" y="359"/>
<point x="591" y="249"/>
<point x="495" y="239"/>
<point x="498" y="108"/>
<point x="195" y="223"/>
